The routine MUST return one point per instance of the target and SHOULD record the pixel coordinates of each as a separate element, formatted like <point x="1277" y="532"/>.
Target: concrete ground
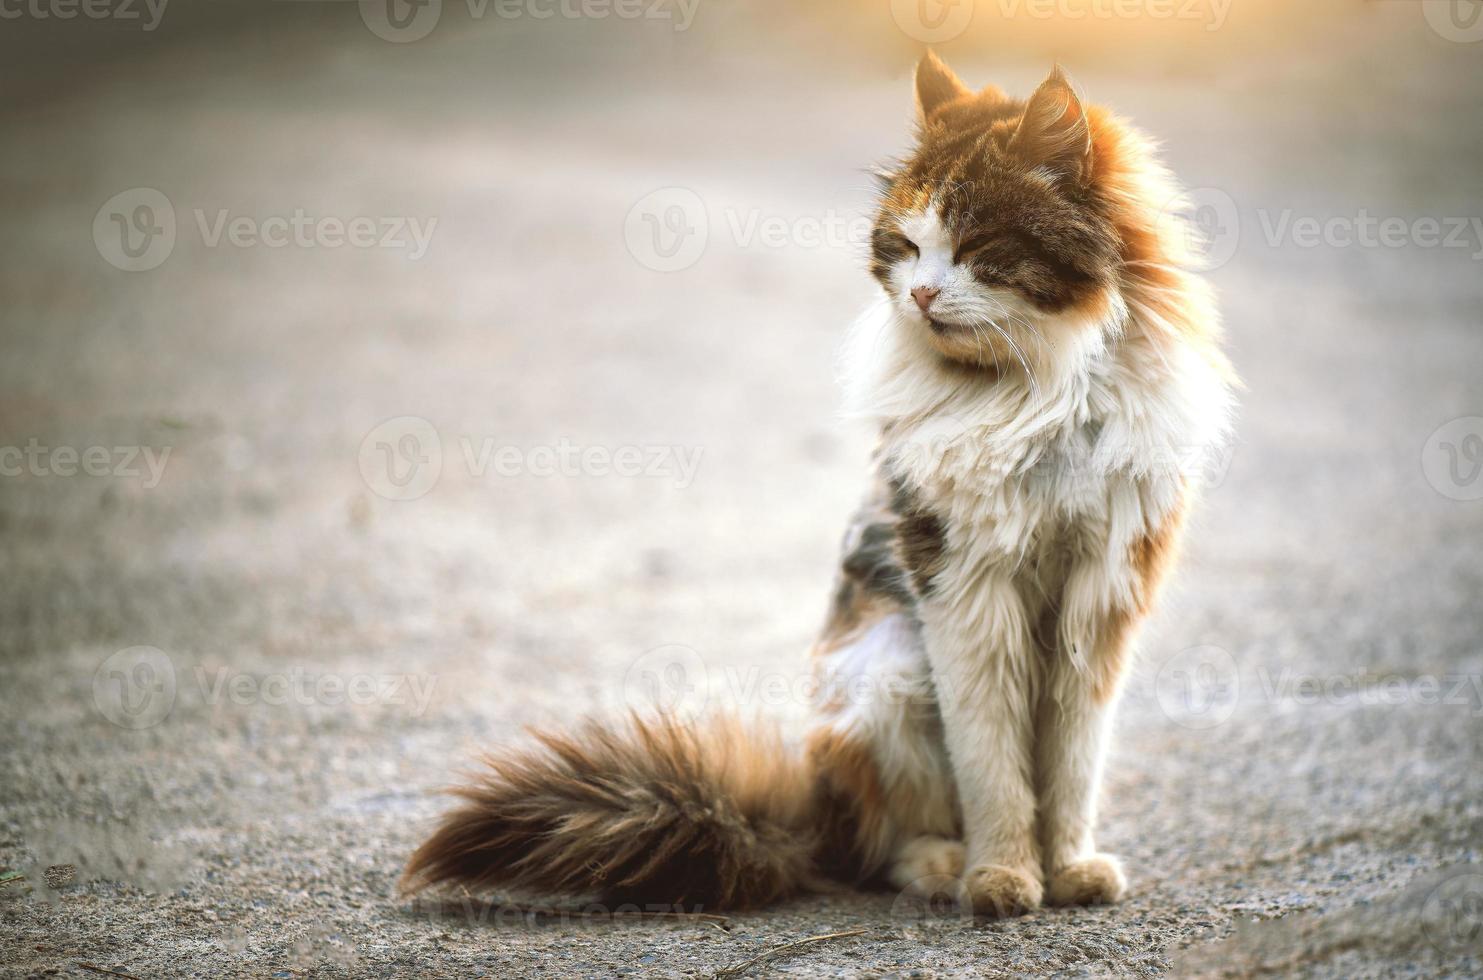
<point x="237" y="665"/>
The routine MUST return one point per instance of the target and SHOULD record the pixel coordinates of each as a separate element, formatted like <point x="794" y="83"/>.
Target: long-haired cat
<point x="1041" y="368"/>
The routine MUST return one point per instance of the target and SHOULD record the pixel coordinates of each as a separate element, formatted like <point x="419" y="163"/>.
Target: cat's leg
<point x="984" y="664"/>
<point x="1108" y="591"/>
<point x="1071" y="744"/>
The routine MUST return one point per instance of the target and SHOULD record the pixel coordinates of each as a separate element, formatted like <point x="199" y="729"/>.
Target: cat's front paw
<point x="1094" y="880"/>
<point x="923" y="861"/>
<point x="1001" y="892"/>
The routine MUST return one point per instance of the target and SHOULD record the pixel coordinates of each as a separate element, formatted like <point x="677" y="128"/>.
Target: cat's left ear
<point x="1054" y="132"/>
<point x="937" y="85"/>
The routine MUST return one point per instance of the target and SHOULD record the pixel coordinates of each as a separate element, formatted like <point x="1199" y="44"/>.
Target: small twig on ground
<point x="740" y="968"/>
<point x="111" y="973"/>
<point x="6" y="877"/>
<point x="720" y="922"/>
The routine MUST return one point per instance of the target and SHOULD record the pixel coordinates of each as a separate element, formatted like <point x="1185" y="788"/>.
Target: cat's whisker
<point x="1020" y="355"/>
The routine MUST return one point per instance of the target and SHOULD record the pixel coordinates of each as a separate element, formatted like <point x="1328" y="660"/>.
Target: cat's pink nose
<point x="924" y="295"/>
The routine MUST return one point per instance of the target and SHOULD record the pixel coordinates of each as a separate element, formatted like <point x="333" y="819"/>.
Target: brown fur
<point x="921" y="540"/>
<point x="851" y="805"/>
<point x="717" y="816"/>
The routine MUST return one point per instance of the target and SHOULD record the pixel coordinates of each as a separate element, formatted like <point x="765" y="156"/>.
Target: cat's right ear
<point x="936" y="87"/>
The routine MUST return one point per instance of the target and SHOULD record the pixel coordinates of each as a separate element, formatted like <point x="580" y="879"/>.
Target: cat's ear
<point x="936" y="86"/>
<point x="1054" y="132"/>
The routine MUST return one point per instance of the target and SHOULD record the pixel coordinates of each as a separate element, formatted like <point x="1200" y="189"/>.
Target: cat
<point x="1042" y="368"/>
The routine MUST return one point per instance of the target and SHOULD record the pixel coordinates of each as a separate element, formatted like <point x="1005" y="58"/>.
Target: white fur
<point x="1044" y="474"/>
<point x="889" y="704"/>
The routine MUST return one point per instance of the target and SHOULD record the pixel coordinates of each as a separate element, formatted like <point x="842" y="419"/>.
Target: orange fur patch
<point x="1152" y="559"/>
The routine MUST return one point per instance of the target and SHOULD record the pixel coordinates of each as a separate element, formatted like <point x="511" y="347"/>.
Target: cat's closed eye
<point x="901" y="242"/>
<point x="966" y="248"/>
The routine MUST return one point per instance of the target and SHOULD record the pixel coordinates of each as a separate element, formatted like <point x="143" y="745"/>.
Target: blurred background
<point x="377" y="379"/>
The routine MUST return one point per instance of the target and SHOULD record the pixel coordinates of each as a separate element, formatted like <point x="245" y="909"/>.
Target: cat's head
<point x="994" y="237"/>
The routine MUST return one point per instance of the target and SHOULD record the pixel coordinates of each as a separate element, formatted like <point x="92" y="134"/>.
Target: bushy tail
<point x="713" y="814"/>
